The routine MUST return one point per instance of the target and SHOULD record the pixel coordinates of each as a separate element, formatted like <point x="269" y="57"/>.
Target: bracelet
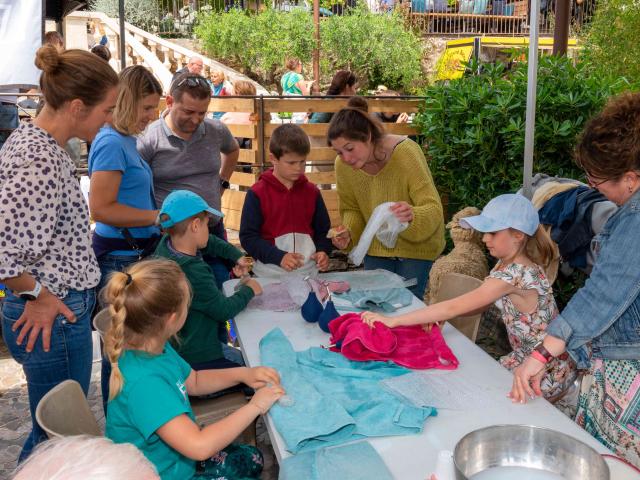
<point x="538" y="356"/>
<point x="543" y="351"/>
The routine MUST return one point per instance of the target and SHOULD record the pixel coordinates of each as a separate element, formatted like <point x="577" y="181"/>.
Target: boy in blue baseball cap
<point x="184" y="216"/>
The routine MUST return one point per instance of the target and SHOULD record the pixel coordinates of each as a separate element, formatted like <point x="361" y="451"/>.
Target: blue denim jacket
<point x="606" y="311"/>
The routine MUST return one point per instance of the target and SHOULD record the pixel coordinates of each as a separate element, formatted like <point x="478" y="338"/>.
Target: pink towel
<point x="410" y="347"/>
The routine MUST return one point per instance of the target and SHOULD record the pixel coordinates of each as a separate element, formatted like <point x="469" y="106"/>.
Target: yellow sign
<point x="452" y="63"/>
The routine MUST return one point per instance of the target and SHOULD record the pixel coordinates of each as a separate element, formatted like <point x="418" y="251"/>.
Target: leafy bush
<point x="377" y="47"/>
<point x="141" y="13"/>
<point x="611" y="44"/>
<point x="474" y="127"/>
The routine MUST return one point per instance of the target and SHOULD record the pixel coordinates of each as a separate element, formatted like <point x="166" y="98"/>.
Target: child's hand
<point x="403" y="211"/>
<point x="371" y="317"/>
<point x="255" y="286"/>
<point x="258" y="377"/>
<point x="243" y="266"/>
<point x="291" y="261"/>
<point x="402" y="118"/>
<point x="265" y="397"/>
<point x="322" y="260"/>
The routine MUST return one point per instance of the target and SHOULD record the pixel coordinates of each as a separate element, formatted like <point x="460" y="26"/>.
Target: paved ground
<point x="15" y="420"/>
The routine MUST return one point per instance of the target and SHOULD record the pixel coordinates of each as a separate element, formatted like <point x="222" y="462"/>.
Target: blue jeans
<point x="69" y="357"/>
<point x="8" y="121"/>
<point x="405" y="267"/>
<point x="109" y="263"/>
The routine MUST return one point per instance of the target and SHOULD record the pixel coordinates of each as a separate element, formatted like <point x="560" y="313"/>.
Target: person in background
<point x="194" y="67"/>
<point x="101" y="51"/>
<point x="121" y="195"/>
<point x="219" y="88"/>
<point x="82" y="457"/>
<point x="343" y="83"/>
<point x="599" y="325"/>
<point x="241" y="88"/>
<point x="46" y="260"/>
<point x="390" y="117"/>
<point x="55" y="39"/>
<point x="373" y="167"/>
<point x="150" y="384"/>
<point x="187" y="151"/>
<point x="293" y="82"/>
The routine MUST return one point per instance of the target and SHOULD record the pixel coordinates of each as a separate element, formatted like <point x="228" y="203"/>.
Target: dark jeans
<point x="219" y="266"/>
<point x="8" y="121"/>
<point x="405" y="267"/>
<point x="69" y="357"/>
<point x="109" y="263"/>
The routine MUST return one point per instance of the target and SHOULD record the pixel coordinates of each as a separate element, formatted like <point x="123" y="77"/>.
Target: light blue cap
<point x="505" y="211"/>
<point x="182" y="204"/>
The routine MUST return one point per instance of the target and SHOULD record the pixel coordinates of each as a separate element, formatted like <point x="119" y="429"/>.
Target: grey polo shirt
<point x="193" y="164"/>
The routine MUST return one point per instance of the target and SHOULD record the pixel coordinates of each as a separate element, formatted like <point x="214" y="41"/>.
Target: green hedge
<point x="474" y="127"/>
<point x="377" y="48"/>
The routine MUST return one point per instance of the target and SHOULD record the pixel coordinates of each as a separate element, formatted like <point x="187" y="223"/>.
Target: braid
<point x="114" y="340"/>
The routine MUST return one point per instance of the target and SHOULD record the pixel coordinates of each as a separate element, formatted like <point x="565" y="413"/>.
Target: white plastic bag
<point x="384" y="225"/>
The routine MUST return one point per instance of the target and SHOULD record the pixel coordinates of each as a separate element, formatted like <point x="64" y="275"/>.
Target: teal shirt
<point x="153" y="393"/>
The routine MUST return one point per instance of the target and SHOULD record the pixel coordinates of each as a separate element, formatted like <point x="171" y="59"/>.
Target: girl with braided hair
<point x="150" y="384"/>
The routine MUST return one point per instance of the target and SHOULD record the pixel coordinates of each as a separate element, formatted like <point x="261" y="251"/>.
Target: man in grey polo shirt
<point x="187" y="151"/>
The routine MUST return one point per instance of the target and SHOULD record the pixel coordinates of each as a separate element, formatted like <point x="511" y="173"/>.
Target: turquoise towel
<point x="336" y="400"/>
<point x="356" y="461"/>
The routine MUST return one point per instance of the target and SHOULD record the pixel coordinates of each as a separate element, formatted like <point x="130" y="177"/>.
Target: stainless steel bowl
<point x="527" y="446"/>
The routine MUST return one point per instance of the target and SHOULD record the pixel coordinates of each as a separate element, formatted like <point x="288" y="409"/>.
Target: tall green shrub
<point x="377" y="47"/>
<point x="612" y="42"/>
<point x="141" y="13"/>
<point x="474" y="127"/>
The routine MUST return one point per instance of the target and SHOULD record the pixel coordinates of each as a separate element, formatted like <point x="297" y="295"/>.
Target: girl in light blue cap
<point x="517" y="285"/>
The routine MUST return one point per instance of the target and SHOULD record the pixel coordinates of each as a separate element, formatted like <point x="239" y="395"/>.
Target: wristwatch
<point x="31" y="294"/>
<point x="224" y="184"/>
<point x="543" y="351"/>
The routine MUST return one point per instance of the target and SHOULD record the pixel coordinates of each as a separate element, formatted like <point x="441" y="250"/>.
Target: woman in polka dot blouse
<point x="46" y="259"/>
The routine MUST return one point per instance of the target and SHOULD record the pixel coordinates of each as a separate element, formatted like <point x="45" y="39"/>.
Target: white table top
<point x="414" y="456"/>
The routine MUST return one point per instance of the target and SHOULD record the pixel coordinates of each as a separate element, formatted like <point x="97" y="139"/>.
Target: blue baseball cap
<point x="182" y="204"/>
<point x="505" y="211"/>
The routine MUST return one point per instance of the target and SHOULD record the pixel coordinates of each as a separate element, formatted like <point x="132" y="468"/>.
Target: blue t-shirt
<point x="112" y="151"/>
<point x="153" y="393"/>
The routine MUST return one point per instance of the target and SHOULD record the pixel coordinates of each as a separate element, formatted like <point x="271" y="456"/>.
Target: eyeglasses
<point x="194" y="81"/>
<point x="593" y="184"/>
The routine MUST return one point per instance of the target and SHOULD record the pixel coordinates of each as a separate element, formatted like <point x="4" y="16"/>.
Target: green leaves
<point x="377" y="48"/>
<point x="474" y="127"/>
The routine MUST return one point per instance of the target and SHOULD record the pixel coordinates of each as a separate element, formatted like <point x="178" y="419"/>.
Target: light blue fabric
<point x="387" y="300"/>
<point x="356" y="461"/>
<point x="112" y="151"/>
<point x="606" y="311"/>
<point x="336" y="400"/>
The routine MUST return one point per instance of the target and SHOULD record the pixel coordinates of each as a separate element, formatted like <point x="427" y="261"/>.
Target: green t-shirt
<point x="153" y="393"/>
<point x="289" y="83"/>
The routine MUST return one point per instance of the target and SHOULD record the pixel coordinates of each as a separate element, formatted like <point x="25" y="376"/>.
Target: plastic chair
<point x="453" y="285"/>
<point x="102" y="322"/>
<point x="64" y="411"/>
<point x="211" y="410"/>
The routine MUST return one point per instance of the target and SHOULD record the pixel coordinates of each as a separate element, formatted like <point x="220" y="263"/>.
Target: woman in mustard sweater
<point x="373" y="167"/>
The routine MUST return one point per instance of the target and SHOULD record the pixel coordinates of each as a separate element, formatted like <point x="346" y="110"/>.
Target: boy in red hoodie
<point x="284" y="218"/>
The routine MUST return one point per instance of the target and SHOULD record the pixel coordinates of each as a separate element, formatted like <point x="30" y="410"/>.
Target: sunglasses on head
<point x="193" y="82"/>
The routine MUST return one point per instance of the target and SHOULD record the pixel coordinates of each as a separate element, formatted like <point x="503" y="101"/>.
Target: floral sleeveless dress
<point x="525" y="330"/>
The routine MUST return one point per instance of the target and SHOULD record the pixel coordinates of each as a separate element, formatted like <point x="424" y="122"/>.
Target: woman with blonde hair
<point x="45" y="258"/>
<point x="121" y="197"/>
<point x="219" y="88"/>
<point x="241" y="88"/>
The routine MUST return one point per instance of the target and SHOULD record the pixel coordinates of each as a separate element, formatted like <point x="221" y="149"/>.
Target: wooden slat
<point x="322" y="154"/>
<point x="321" y="129"/>
<point x="321" y="178"/>
<point x="232" y="202"/>
<point x="232" y="219"/>
<point x="222" y="104"/>
<point x="387" y="104"/>
<point x="243" y="179"/>
<point x="249" y="156"/>
<point x="243" y="131"/>
<point x="330" y="198"/>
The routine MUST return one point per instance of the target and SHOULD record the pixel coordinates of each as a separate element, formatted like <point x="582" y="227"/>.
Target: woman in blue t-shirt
<point x="121" y="196"/>
<point x="151" y="384"/>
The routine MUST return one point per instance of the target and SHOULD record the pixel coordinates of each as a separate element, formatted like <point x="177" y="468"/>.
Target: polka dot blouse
<point x="44" y="220"/>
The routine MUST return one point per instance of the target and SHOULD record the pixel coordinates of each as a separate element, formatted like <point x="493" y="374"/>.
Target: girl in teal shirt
<point x="150" y="384"/>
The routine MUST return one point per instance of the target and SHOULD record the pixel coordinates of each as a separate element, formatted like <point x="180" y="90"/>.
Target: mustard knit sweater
<point x="405" y="177"/>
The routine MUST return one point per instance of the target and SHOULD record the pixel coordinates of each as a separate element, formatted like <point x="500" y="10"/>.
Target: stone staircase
<point x="161" y="56"/>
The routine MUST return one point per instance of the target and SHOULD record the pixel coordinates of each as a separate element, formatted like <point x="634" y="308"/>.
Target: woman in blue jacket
<point x="600" y="327"/>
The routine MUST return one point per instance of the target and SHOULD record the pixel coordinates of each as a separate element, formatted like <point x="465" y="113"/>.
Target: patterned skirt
<point x="609" y="406"/>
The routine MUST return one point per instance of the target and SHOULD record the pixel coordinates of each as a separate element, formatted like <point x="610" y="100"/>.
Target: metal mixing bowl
<point x="527" y="446"/>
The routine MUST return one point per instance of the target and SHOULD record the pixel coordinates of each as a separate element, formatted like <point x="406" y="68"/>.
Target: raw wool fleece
<point x="467" y="257"/>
